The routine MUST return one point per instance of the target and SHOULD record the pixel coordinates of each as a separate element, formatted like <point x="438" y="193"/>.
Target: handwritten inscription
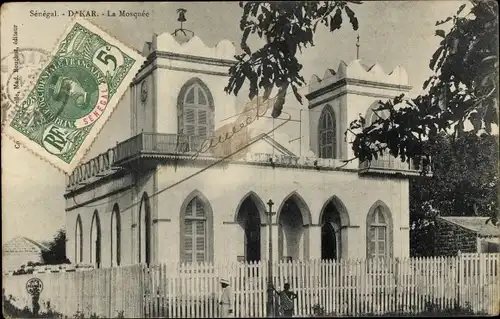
<point x="238" y="129"/>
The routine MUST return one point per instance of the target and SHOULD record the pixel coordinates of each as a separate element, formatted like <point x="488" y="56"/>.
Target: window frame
<point x="196" y="107"/>
<point x="116" y="236"/>
<point x="208" y="227"/>
<point x="97" y="255"/>
<point x="327" y="113"/>
<point x="78" y="240"/>
<point x="372" y="222"/>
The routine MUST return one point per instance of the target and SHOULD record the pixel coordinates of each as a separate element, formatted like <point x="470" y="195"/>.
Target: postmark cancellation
<point x="75" y="93"/>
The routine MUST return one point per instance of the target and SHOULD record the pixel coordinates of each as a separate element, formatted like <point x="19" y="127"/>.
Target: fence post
<point x="459" y="275"/>
<point x="396" y="280"/>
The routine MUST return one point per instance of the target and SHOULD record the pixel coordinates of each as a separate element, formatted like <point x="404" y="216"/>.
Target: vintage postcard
<point x="250" y="159"/>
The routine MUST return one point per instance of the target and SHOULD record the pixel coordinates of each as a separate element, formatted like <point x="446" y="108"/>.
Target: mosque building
<point x="165" y="194"/>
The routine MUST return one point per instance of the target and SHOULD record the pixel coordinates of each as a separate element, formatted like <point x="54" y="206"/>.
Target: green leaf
<point x="443" y="21"/>
<point x="352" y="18"/>
<point x="279" y="102"/>
<point x="441" y="33"/>
<point x="435" y="57"/>
<point x="267" y="92"/>
<point x="244" y="45"/>
<point x="296" y="93"/>
<point x="460" y="9"/>
<point x="336" y="20"/>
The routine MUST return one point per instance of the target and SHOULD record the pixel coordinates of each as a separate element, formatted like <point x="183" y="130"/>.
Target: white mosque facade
<point x="149" y="200"/>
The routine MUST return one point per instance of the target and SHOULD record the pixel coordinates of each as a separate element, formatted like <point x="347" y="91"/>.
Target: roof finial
<point x="182" y="19"/>
<point x="357" y="48"/>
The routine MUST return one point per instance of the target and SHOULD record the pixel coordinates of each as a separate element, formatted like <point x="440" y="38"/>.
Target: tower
<point x="180" y="88"/>
<point x="340" y="96"/>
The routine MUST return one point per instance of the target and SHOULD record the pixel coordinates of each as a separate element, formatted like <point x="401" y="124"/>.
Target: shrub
<point x="10" y="310"/>
<point x="431" y="309"/>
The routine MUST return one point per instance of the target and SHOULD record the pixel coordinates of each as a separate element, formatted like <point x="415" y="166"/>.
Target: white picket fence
<point x="348" y="287"/>
<point x="100" y="291"/>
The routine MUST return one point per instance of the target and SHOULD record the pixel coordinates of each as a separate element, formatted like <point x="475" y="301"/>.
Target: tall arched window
<point x="195" y="109"/>
<point x="78" y="241"/>
<point x="372" y="115"/>
<point x="144" y="221"/>
<point x="379" y="232"/>
<point x="115" y="237"/>
<point x="196" y="230"/>
<point x="327" y="134"/>
<point x="95" y="240"/>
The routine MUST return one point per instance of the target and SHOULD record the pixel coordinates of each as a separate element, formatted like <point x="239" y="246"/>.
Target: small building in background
<point x="469" y="234"/>
<point x="19" y="251"/>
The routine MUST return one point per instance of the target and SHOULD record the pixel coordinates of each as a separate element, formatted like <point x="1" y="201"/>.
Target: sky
<point x="391" y="33"/>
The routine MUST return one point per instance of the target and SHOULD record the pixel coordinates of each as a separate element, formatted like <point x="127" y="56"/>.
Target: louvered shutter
<point x="195" y="232"/>
<point x="202" y="122"/>
<point x="188" y="240"/>
<point x="200" y="241"/>
<point x="372" y="250"/>
<point x="189" y="121"/>
<point x="381" y="241"/>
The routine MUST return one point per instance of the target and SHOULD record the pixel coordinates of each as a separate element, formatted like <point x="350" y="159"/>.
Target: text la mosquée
<point x="109" y="13"/>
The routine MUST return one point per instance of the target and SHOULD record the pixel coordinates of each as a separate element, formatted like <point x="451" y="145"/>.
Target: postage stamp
<point x="74" y="95"/>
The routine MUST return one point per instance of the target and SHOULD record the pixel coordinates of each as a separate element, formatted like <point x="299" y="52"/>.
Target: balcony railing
<point x="157" y="143"/>
<point x="387" y="162"/>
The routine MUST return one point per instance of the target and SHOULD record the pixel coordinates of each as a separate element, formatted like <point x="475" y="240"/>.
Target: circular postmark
<point x="34" y="286"/>
<point x="19" y="70"/>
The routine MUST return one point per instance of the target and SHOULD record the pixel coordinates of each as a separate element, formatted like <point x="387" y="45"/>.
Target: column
<point x="353" y="242"/>
<point x="315" y="241"/>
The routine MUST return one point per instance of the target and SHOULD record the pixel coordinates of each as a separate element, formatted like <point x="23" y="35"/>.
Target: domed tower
<point x="180" y="88"/>
<point x="336" y="99"/>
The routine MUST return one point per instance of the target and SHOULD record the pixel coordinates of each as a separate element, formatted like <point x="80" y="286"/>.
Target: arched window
<point x="379" y="232"/>
<point x="144" y="221"/>
<point x="78" y="241"/>
<point x="372" y="115"/>
<point x="115" y="237"/>
<point x="327" y="134"/>
<point x="195" y="109"/>
<point x="196" y="230"/>
<point x="95" y="241"/>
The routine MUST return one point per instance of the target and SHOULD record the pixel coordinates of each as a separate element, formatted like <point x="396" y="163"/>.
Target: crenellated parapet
<point x="166" y="42"/>
<point x="356" y="70"/>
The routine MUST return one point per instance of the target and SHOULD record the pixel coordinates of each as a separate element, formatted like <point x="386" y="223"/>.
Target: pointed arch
<point x="95" y="240"/>
<point x="342" y="210"/>
<point x="332" y="218"/>
<point x="327" y="133"/>
<point x="251" y="215"/>
<point x="196" y="228"/>
<point x="115" y="236"/>
<point x="301" y="203"/>
<point x="195" y="109"/>
<point x="261" y="207"/>
<point x="371" y="116"/>
<point x="293" y="218"/>
<point x="78" y="240"/>
<point x="144" y="224"/>
<point x="379" y="231"/>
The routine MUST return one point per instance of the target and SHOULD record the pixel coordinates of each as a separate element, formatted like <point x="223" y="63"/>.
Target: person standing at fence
<point x="287" y="300"/>
<point x="226" y="300"/>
